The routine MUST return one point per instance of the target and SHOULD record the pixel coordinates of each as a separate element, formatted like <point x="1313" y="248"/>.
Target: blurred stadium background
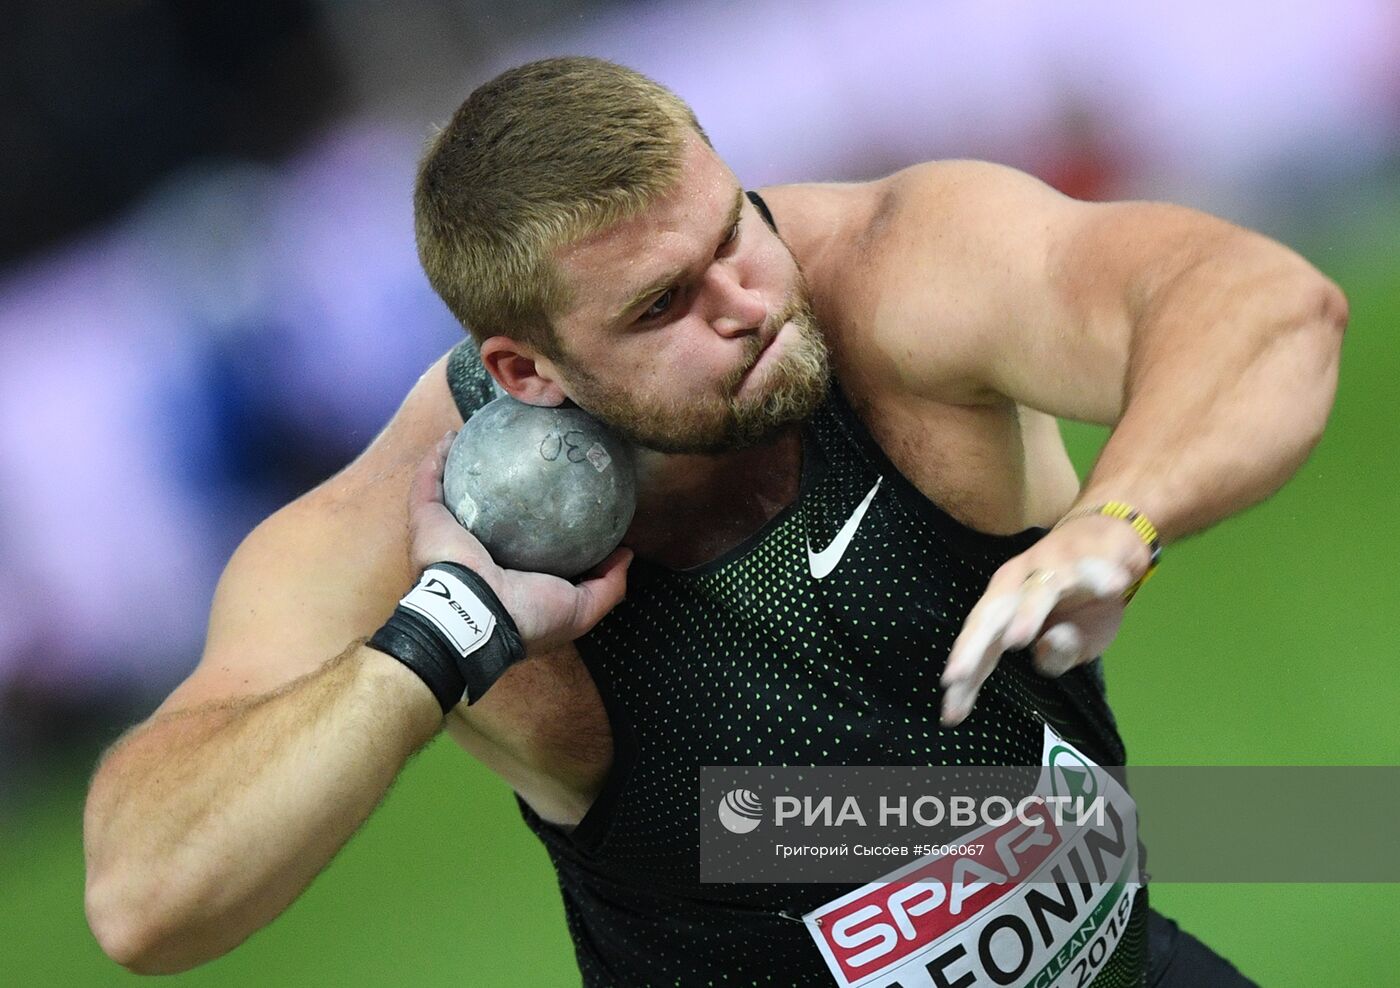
<point x="209" y="301"/>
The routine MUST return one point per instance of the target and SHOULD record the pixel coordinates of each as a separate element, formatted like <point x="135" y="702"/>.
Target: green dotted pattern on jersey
<point x="750" y="660"/>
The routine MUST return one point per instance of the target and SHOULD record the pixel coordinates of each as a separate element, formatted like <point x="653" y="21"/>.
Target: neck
<point x="691" y="507"/>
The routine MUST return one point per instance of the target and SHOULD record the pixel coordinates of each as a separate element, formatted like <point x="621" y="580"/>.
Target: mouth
<point x="762" y="358"/>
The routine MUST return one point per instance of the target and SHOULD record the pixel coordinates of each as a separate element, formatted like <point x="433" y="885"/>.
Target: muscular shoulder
<point x="917" y="265"/>
<point x="323" y="570"/>
<point x="941" y="205"/>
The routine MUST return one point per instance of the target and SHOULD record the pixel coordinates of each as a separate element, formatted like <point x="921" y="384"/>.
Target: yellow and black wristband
<point x="1144" y="528"/>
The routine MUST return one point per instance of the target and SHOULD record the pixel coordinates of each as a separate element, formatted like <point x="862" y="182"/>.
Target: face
<point x="691" y="329"/>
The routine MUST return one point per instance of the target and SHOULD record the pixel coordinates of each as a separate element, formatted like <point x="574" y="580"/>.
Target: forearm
<point x="204" y="825"/>
<point x="1231" y="377"/>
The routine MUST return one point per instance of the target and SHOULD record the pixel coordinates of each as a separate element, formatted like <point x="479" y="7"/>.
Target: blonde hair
<point x="537" y="158"/>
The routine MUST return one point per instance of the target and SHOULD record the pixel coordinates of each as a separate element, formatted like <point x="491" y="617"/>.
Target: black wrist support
<point x="452" y="630"/>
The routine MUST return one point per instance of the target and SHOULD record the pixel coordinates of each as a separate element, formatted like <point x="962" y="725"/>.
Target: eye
<point x="659" y="307"/>
<point x="730" y="237"/>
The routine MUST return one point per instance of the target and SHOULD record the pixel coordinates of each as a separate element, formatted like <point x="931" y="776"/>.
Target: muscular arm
<point x="1233" y="347"/>
<point x="1211" y="351"/>
<point x="206" y="821"/>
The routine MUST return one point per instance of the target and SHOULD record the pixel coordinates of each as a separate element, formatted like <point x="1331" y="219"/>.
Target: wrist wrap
<point x="452" y="630"/>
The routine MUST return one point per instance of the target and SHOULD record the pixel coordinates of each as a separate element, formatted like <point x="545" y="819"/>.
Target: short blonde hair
<point x="537" y="158"/>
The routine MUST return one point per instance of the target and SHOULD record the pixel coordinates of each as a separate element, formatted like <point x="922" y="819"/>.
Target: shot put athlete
<point x="858" y="539"/>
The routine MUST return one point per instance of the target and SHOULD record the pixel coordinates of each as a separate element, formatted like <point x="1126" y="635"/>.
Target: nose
<point x="733" y="309"/>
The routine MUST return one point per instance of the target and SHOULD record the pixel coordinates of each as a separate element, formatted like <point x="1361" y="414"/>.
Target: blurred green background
<point x="210" y="300"/>
<point x="1264" y="642"/>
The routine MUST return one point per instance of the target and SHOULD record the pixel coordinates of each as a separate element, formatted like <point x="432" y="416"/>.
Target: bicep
<point x="1015" y="291"/>
<point x="322" y="571"/>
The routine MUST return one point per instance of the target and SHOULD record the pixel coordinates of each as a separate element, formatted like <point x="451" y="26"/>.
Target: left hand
<point x="1065" y="594"/>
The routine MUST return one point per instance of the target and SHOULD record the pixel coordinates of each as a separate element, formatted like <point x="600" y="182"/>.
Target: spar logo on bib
<point x="1036" y="905"/>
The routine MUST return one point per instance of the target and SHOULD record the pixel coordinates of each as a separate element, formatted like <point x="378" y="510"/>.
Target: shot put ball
<point x="547" y="490"/>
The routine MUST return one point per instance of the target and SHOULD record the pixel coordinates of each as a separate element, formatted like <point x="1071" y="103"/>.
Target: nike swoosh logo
<point x="822" y="563"/>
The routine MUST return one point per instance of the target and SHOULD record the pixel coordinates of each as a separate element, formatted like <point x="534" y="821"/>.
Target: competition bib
<point x="1035" y="904"/>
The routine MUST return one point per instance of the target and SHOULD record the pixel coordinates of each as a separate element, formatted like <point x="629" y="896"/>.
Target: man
<point x="840" y="552"/>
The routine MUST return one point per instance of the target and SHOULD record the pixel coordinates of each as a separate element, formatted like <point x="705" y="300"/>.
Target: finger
<point x="1038" y="599"/>
<point x="602" y="589"/>
<point x="426" y="485"/>
<point x="440" y="451"/>
<point x="1059" y="650"/>
<point x="622" y="554"/>
<point x="974" y="656"/>
<point x="980" y="635"/>
<point x="958" y="700"/>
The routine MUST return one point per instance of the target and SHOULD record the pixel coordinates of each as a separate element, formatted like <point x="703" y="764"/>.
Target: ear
<point x="523" y="373"/>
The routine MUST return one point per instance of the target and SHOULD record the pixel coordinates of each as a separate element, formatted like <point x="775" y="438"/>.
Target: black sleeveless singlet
<point x="750" y="660"/>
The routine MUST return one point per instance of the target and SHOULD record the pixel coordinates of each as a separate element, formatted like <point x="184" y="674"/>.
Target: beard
<point x="792" y="389"/>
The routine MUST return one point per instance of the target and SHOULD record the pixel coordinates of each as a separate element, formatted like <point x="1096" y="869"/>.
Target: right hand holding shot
<point x="548" y="610"/>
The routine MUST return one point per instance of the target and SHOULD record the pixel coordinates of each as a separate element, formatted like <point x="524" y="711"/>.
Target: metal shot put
<point x="546" y="490"/>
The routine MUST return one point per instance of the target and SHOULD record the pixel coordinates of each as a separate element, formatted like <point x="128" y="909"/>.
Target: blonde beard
<point x="794" y="387"/>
